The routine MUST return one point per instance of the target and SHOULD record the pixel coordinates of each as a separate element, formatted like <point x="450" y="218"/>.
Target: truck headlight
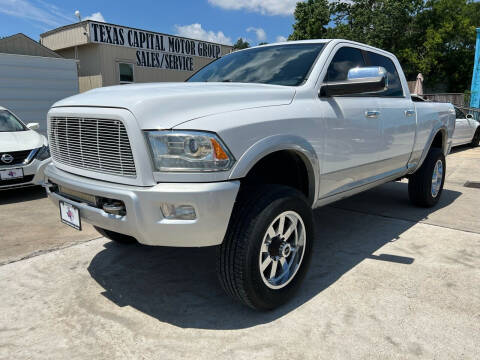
<point x="188" y="151"/>
<point x="43" y="153"/>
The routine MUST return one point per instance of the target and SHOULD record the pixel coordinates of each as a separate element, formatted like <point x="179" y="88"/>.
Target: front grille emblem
<point x="7" y="158"/>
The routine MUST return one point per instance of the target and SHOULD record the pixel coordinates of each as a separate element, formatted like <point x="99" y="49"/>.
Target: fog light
<point x="178" y="212"/>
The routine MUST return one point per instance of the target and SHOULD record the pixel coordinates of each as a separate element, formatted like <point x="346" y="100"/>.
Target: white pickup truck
<point x="240" y="154"/>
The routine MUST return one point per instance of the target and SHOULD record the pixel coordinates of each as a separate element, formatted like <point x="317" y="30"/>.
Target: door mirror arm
<point x="351" y="87"/>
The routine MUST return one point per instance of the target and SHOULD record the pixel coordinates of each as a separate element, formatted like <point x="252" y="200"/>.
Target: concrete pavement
<point x="30" y="225"/>
<point x="387" y="281"/>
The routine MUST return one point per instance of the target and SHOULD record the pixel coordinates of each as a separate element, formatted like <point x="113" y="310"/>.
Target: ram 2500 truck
<point x="240" y="154"/>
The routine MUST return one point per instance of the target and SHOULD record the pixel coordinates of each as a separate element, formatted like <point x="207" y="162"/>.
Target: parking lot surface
<point x="387" y="280"/>
<point x="30" y="225"/>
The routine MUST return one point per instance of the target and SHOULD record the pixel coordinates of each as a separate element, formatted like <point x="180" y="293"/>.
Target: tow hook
<point x="114" y="207"/>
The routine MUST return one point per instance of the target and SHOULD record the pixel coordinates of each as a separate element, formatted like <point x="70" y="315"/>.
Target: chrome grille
<point x="100" y="145"/>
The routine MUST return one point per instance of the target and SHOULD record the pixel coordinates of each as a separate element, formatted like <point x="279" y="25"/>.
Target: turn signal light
<point x="220" y="154"/>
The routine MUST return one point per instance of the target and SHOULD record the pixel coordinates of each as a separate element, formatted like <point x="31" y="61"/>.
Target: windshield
<point x="9" y="123"/>
<point x="277" y="65"/>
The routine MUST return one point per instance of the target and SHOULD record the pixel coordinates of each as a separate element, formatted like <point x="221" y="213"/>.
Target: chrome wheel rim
<point x="437" y="178"/>
<point x="282" y="250"/>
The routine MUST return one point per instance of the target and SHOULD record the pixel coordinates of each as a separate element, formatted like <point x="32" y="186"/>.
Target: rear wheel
<point x="476" y="138"/>
<point x="114" y="236"/>
<point x="426" y="185"/>
<point x="267" y="249"/>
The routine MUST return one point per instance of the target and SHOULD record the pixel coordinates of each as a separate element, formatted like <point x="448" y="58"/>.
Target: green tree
<point x="434" y="37"/>
<point x="445" y="45"/>
<point x="311" y="20"/>
<point x="381" y="23"/>
<point x="386" y="24"/>
<point x="241" y="44"/>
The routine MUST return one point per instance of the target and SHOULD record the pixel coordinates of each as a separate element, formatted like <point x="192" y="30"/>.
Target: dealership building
<point x="109" y="54"/>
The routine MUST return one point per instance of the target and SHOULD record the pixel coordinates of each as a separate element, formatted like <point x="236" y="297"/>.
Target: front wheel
<point x="268" y="245"/>
<point x="426" y="185"/>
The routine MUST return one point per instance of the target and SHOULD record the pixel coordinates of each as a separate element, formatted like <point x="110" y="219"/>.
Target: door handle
<point x="372" y="114"/>
<point x="409" y="113"/>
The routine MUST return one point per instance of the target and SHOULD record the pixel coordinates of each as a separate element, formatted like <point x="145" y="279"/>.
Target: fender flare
<point x="426" y="150"/>
<point x="275" y="143"/>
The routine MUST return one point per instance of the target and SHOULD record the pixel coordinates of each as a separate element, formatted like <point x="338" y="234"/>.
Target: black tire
<point x="420" y="183"/>
<point x="476" y="138"/>
<point x="238" y="265"/>
<point x="114" y="236"/>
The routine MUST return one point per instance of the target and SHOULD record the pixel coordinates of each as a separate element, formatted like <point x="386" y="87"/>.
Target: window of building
<point x="126" y="73"/>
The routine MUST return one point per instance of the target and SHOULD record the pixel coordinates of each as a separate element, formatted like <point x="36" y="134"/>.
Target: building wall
<point x="98" y="61"/>
<point x="86" y="83"/>
<point x="69" y="36"/>
<point x="98" y="66"/>
<point x="110" y="56"/>
<point x="89" y="65"/>
<point x="30" y="85"/>
<point x="23" y="45"/>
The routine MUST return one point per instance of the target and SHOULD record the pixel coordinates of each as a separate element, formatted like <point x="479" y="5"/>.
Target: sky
<point x="222" y="21"/>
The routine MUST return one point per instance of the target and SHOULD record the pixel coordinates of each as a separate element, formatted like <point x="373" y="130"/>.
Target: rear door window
<point x="394" y="83"/>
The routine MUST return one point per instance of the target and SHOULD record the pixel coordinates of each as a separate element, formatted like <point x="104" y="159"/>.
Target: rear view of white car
<point x="23" y="152"/>
<point x="467" y="129"/>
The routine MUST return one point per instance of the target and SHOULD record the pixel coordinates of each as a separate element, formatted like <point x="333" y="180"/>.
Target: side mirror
<point x="359" y="81"/>
<point x="33" y="126"/>
<point x="470" y="117"/>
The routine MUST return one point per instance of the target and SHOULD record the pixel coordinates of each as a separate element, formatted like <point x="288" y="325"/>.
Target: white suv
<point x="23" y="152"/>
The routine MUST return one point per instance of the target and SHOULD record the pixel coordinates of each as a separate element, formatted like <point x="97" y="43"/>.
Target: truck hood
<point x="20" y="141"/>
<point x="165" y="105"/>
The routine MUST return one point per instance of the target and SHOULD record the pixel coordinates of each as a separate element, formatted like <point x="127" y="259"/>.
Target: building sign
<point x="154" y="49"/>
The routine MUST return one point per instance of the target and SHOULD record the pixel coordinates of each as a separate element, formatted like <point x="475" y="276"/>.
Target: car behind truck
<point x="240" y="154"/>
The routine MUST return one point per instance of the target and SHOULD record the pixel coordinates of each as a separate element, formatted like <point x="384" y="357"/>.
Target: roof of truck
<point x="313" y="41"/>
<point x="323" y="41"/>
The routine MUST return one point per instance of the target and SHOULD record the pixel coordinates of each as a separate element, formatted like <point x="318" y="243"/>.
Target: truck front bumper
<point x="213" y="204"/>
